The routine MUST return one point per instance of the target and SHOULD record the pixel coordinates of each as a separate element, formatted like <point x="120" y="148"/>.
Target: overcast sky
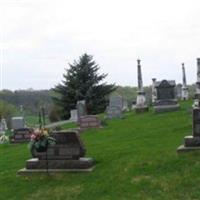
<point x="40" y="37"/>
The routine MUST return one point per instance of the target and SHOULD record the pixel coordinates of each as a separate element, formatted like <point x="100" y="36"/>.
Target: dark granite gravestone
<point x="89" y="121"/>
<point x="66" y="155"/>
<point x="193" y="142"/>
<point x="166" y="97"/>
<point x="115" y="108"/>
<point x="21" y="135"/>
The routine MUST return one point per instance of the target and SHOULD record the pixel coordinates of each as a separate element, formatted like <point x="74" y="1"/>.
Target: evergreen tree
<point x="83" y="82"/>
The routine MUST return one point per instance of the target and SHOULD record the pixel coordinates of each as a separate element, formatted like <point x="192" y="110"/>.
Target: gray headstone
<point x="18" y="123"/>
<point x="116" y="101"/>
<point x="115" y="108"/>
<point x="81" y="108"/>
<point x="166" y="96"/>
<point x="74" y="115"/>
<point x="125" y="105"/>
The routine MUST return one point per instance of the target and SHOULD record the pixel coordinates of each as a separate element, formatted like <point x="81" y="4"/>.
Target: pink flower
<point x="33" y="136"/>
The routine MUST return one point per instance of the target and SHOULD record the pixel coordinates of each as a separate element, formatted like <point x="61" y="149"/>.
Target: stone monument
<point x="166" y="98"/>
<point x="197" y="95"/>
<point x="185" y="91"/>
<point x="66" y="155"/>
<point x="81" y="109"/>
<point x="154" y="95"/>
<point x="125" y="107"/>
<point x="141" y="99"/>
<point x="17" y="122"/>
<point x="114" y="110"/>
<point x="74" y="115"/>
<point x="179" y="91"/>
<point x="3" y="126"/>
<point x="89" y="121"/>
<point x="193" y="142"/>
<point x="21" y="135"/>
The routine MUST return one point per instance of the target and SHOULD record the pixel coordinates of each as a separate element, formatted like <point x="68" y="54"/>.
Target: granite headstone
<point x="166" y="96"/>
<point x="66" y="155"/>
<point x="115" y="108"/>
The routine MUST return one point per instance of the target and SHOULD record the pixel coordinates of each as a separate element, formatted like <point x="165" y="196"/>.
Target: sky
<point x="38" y="38"/>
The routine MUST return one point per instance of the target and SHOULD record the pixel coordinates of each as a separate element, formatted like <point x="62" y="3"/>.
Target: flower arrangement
<point x="4" y="139"/>
<point x="40" y="140"/>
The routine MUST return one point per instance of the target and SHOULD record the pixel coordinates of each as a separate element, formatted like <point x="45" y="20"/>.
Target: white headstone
<point x="74" y="115"/>
<point x="18" y="122"/>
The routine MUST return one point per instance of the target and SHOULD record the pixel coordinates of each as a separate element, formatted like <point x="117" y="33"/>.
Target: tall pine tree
<point x="83" y="82"/>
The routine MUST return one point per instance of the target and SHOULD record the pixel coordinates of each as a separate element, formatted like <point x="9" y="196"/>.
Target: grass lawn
<point x="33" y="120"/>
<point x="136" y="159"/>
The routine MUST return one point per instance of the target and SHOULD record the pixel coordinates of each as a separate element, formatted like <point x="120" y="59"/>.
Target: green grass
<point x="136" y="159"/>
<point x="33" y="120"/>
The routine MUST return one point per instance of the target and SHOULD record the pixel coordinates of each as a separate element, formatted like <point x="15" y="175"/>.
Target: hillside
<point x="136" y="159"/>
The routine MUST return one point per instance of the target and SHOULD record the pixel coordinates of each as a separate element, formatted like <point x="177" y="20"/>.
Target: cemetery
<point x="127" y="152"/>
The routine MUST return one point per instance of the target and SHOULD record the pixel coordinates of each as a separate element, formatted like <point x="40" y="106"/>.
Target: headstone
<point x="193" y="142"/>
<point x="141" y="105"/>
<point x="185" y="91"/>
<point x="115" y="108"/>
<point x="81" y="109"/>
<point x="89" y="121"/>
<point x="66" y="155"/>
<point x="179" y="91"/>
<point x="3" y="126"/>
<point x="154" y="94"/>
<point x="125" y="107"/>
<point x="21" y="135"/>
<point x="18" y="123"/>
<point x="166" y="96"/>
<point x="197" y="95"/>
<point x="74" y="115"/>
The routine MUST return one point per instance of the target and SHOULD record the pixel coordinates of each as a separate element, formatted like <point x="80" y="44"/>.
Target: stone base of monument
<point x="141" y="109"/>
<point x="35" y="165"/>
<point x="183" y="149"/>
<point x="166" y="108"/>
<point x="190" y="144"/>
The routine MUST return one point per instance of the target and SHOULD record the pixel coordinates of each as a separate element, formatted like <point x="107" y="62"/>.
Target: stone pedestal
<point x="185" y="93"/>
<point x="192" y="142"/>
<point x="141" y="103"/>
<point x="67" y="155"/>
<point x="21" y="135"/>
<point x="166" y="106"/>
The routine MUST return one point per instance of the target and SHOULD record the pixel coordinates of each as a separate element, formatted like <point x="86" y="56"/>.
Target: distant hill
<point x="31" y="100"/>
